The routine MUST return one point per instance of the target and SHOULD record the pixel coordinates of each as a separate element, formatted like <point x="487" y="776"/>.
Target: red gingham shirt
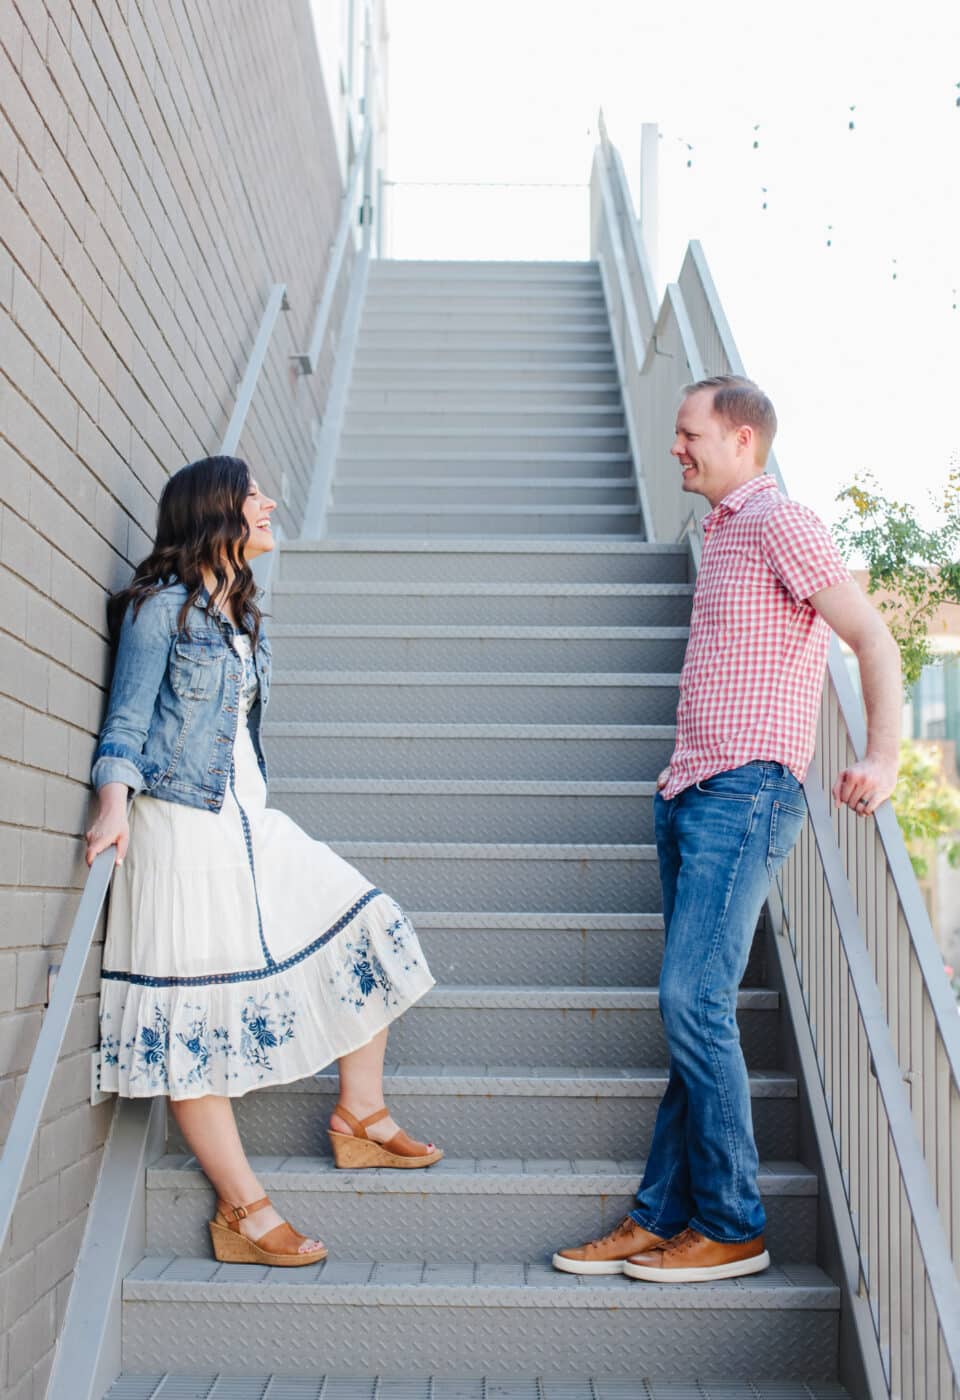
<point x="753" y="672"/>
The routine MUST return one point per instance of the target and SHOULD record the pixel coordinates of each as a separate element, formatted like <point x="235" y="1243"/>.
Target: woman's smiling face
<point x="256" y="512"/>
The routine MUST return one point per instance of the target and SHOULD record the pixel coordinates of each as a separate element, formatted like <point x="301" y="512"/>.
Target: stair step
<point x="376" y="493"/>
<point x="550" y="353"/>
<point x="457" y="418"/>
<point x="591" y="1027"/>
<point x="427" y="297"/>
<point x="446" y="373"/>
<point x="571" y="753"/>
<point x="581" y="949"/>
<point x="470" y="522"/>
<point x="564" y="271"/>
<point x="489" y="396"/>
<point x="474" y="696"/>
<point x="484" y="439"/>
<point x="503" y="1109"/>
<point x="483" y="561"/>
<point x="492" y="604"/>
<point x="468" y="314"/>
<point x="170" y="1386"/>
<point x="506" y="470"/>
<point x="618" y="878"/>
<point x="466" y="809"/>
<point x="482" y="648"/>
<point x="457" y="1319"/>
<point x="480" y="1210"/>
<point x="565" y="340"/>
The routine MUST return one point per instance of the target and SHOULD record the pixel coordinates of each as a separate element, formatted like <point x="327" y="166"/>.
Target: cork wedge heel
<point x="279" y="1247"/>
<point x="355" y="1150"/>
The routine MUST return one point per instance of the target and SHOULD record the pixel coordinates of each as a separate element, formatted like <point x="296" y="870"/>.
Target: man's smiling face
<point x="714" y="457"/>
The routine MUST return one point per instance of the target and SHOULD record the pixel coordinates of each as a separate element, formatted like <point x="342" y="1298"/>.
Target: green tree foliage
<point x="917" y="567"/>
<point x="927" y="808"/>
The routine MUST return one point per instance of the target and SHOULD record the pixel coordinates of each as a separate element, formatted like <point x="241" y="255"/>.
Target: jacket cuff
<point x="110" y="769"/>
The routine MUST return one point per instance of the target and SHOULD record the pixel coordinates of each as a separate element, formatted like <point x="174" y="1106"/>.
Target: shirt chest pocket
<point x="195" y="667"/>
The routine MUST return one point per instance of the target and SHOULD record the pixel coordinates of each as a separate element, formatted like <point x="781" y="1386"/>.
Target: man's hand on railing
<point x="110" y="827"/>
<point x="864" y="785"/>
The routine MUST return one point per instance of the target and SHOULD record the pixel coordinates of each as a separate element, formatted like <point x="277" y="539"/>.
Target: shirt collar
<point x="738" y="498"/>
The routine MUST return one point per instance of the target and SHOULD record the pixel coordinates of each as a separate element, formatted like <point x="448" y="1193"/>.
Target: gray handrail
<point x="43" y="1062"/>
<point x="276" y="302"/>
<point x="306" y="361"/>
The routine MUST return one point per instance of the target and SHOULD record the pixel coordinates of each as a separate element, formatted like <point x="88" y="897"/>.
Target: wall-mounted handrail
<point x="46" y="1053"/>
<point x="43" y="1062"/>
<point x="306" y="361"/>
<point x="276" y="302"/>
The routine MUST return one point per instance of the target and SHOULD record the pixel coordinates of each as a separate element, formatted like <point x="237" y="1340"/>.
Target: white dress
<point x="239" y="951"/>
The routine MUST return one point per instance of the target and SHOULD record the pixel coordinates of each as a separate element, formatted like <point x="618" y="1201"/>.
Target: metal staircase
<point x="475" y="686"/>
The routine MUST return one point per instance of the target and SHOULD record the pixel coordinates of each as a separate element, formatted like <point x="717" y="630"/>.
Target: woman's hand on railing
<point x="864" y="785"/>
<point x="110" y="827"/>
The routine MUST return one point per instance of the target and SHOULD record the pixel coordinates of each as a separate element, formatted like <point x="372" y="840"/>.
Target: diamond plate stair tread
<point x="461" y="1176"/>
<point x="315" y="729"/>
<point x="323" y="587"/>
<point x="489" y="546"/>
<point x="548" y="1081"/>
<point x="164" y="1279"/>
<point x="279" y="1387"/>
<point x="469" y="850"/>
<point x="500" y="787"/>
<point x="592" y="679"/>
<point x="524" y="919"/>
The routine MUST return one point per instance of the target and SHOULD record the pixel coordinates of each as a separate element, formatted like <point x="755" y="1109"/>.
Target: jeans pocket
<point x="717" y="786"/>
<point x="786" y="823"/>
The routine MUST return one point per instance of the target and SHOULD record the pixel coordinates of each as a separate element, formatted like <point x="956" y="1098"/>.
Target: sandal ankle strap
<point x="234" y="1214"/>
<point x="360" y="1125"/>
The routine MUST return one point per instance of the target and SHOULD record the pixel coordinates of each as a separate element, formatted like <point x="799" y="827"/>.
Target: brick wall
<point x="161" y="164"/>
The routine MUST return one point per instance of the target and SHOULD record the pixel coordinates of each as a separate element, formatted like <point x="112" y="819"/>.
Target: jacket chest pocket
<point x="195" y="668"/>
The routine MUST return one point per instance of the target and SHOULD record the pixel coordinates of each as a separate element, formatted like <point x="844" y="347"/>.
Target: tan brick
<point x="98" y="352"/>
<point x="77" y="592"/>
<point x="72" y="697"/>
<point x="79" y="265"/>
<point x="70" y="1087"/>
<point x="18" y="1035"/>
<point x="102" y="151"/>
<point x="31" y="1337"/>
<point x="20" y="109"/>
<point x="13" y="603"/>
<point x="46" y="742"/>
<point x="8" y="982"/>
<point x="54" y="862"/>
<point x="41" y="206"/>
<point x="93" y="80"/>
<point x="35" y="318"/>
<point x="72" y="1136"/>
<point x="63" y="185"/>
<point x="34" y="15"/>
<point x="54" y="400"/>
<point x="33" y="965"/>
<point x="21" y="795"/>
<point x="21" y="917"/>
<point x="66" y="805"/>
<point x="58" y="292"/>
<point x="78" y="376"/>
<point x="83" y="1030"/>
<point x="16" y="354"/>
<point x="18" y="234"/>
<point x="57" y="1255"/>
<point x="24" y="551"/>
<point x="43" y="92"/>
<point x="67" y="78"/>
<point x="11" y="38"/>
<point x="35" y="1216"/>
<point x="18" y="1287"/>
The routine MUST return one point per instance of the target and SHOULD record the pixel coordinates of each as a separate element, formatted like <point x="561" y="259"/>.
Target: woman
<point x="239" y="952"/>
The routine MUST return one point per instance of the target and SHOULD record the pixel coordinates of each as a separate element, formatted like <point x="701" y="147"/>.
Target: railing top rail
<point x="306" y="361"/>
<point x="43" y="1062"/>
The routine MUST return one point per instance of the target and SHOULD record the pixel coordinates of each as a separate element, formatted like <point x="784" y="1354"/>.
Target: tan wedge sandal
<point x="353" y="1150"/>
<point x="279" y="1247"/>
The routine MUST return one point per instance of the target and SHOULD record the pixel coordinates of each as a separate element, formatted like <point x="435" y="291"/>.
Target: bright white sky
<point x="864" y="369"/>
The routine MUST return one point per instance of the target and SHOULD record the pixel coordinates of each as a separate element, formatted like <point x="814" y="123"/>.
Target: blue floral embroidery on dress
<point x="196" y="1043"/>
<point x="261" y="1032"/>
<point x="365" y="972"/>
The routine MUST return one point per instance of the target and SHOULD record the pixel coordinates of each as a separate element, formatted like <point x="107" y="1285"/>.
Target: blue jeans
<point x="719" y="844"/>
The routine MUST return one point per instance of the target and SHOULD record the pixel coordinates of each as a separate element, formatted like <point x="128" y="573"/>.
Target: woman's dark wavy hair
<point x="200" y="524"/>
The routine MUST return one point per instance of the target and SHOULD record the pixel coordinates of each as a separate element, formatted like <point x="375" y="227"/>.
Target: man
<point x="728" y="810"/>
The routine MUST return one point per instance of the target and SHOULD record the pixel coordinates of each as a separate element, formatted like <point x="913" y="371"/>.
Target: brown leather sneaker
<point x="606" y="1255"/>
<point x="692" y="1258"/>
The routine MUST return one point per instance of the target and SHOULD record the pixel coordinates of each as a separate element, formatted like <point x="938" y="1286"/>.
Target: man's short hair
<point x="738" y="400"/>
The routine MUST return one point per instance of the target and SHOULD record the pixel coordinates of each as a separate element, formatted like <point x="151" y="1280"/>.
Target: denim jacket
<point x="174" y="703"/>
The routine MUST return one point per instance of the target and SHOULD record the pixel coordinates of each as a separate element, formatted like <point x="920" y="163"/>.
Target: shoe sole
<point x="585" y="1266"/>
<point x="756" y="1265"/>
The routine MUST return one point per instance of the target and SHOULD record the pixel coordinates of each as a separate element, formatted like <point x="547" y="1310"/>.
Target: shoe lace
<point x="684" y="1241"/>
